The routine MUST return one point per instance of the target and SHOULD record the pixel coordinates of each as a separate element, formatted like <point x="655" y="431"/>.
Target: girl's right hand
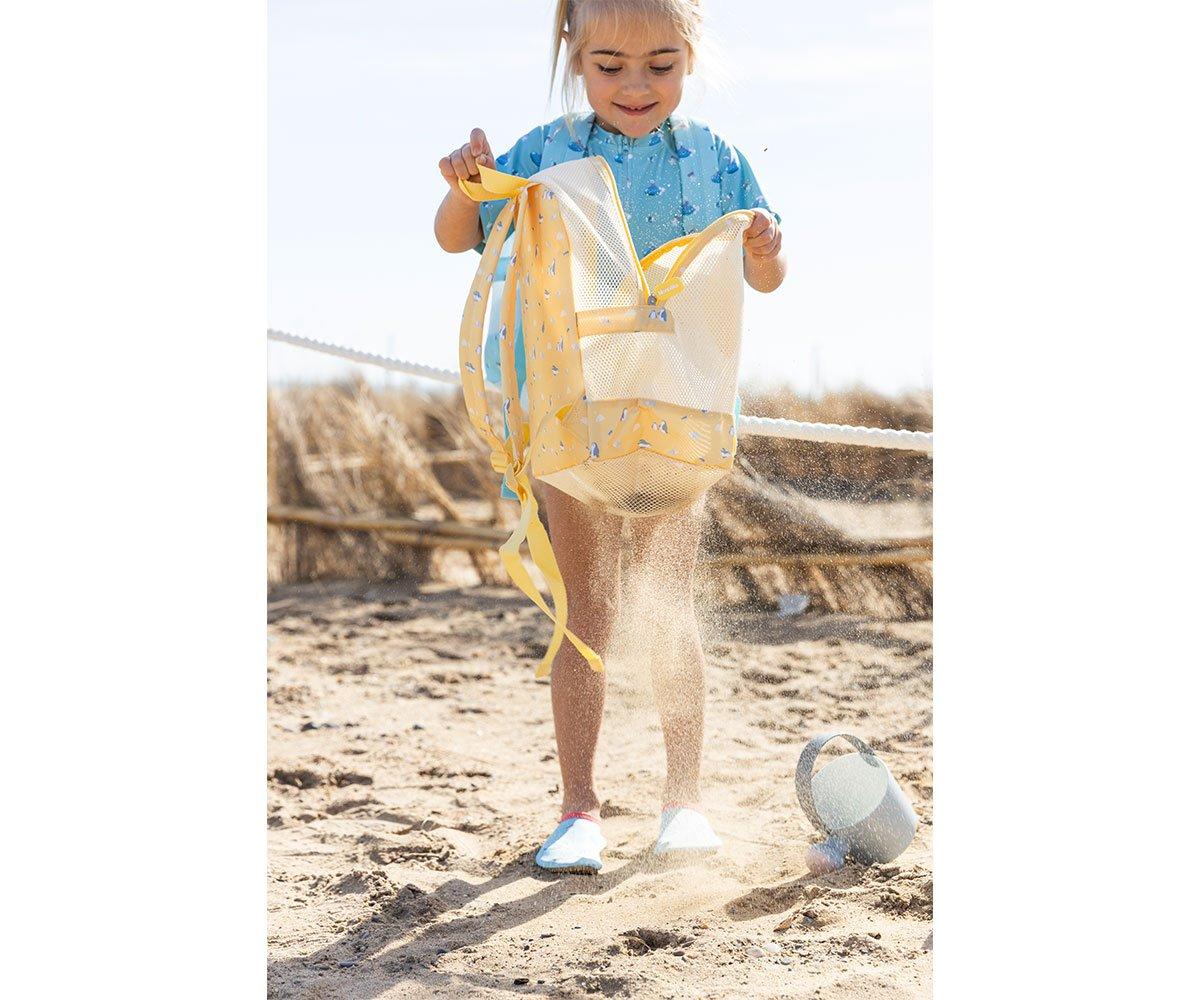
<point x="465" y="161"/>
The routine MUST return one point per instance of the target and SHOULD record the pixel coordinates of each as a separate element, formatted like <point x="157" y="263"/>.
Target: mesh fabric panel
<point x="604" y="270"/>
<point x="656" y="270"/>
<point x="639" y="485"/>
<point x="698" y="365"/>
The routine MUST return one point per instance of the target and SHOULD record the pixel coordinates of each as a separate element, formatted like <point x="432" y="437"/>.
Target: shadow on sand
<point x="766" y="628"/>
<point x="401" y="943"/>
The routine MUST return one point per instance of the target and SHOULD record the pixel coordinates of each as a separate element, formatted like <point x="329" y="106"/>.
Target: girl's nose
<point x="639" y="81"/>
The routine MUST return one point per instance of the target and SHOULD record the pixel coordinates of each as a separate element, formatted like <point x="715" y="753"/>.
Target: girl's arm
<point x="763" y="262"/>
<point x="765" y="275"/>
<point x="456" y="225"/>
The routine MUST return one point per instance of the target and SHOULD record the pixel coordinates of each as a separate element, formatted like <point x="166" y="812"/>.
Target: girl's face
<point x="634" y="77"/>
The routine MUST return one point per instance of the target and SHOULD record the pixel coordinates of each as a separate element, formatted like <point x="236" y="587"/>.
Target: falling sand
<point x="413" y="774"/>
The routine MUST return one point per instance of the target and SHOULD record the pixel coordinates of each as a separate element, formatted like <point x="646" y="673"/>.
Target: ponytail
<point x="561" y="17"/>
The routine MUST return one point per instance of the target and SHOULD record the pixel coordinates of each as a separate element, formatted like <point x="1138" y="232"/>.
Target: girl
<point x="632" y="57"/>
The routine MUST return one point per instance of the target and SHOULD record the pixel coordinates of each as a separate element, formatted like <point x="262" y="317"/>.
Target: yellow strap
<point x="530" y="527"/>
<point x="657" y="252"/>
<point x="518" y="440"/>
<point x="470" y="336"/>
<point x="492" y="185"/>
<point x="673" y="285"/>
<point x="624" y="319"/>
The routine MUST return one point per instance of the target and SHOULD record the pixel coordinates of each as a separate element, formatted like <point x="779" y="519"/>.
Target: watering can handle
<point x="804" y="769"/>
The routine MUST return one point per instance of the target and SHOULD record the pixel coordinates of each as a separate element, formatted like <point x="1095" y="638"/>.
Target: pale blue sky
<point x="829" y="100"/>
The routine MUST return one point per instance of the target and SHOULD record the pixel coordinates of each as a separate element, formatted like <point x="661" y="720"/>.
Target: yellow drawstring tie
<point x="492" y="185"/>
<point x="529" y="528"/>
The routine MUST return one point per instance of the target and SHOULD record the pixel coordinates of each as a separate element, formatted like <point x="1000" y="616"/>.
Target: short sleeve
<point x="739" y="186"/>
<point x="522" y="160"/>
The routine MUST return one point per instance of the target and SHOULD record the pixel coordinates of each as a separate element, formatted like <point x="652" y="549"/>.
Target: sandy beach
<point x="413" y="774"/>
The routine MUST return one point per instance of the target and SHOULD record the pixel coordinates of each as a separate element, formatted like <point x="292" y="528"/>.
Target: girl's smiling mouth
<point x="639" y="110"/>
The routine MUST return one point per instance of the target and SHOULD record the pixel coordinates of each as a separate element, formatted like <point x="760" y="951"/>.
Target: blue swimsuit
<point x="647" y="174"/>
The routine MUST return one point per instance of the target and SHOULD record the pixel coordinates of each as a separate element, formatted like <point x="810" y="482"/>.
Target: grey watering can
<point x="855" y="801"/>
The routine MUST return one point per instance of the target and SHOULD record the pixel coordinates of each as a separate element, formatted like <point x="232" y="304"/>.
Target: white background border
<point x="1066" y="240"/>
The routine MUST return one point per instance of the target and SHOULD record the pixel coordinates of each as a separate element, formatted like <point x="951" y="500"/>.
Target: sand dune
<point x="413" y="775"/>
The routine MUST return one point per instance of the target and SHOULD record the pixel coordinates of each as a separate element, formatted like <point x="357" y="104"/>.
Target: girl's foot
<point x="685" y="831"/>
<point x="574" y="846"/>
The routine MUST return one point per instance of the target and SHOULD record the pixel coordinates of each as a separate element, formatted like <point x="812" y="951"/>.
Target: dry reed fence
<point x="380" y="484"/>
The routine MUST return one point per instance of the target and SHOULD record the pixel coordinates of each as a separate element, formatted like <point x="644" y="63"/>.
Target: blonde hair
<point x="574" y="21"/>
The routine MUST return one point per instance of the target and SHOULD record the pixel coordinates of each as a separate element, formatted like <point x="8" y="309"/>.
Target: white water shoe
<point x="685" y="831"/>
<point x="574" y="846"/>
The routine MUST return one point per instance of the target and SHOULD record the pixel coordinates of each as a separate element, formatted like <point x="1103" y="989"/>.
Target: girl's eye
<point x="660" y="70"/>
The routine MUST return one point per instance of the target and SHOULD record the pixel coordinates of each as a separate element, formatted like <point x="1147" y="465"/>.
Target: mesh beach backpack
<point x="630" y="365"/>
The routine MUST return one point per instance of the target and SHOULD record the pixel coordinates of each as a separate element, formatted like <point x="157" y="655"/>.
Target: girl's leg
<point x="587" y="545"/>
<point x="665" y="551"/>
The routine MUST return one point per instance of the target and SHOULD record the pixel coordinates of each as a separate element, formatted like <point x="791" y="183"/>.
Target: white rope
<point x="868" y="437"/>
<point x="391" y="364"/>
<point x="778" y="427"/>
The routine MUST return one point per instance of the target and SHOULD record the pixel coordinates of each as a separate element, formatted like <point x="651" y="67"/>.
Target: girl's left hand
<point x="763" y="239"/>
